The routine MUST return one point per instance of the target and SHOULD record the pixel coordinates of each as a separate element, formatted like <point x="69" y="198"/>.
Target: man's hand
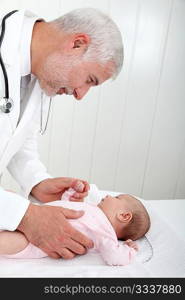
<point x="47" y="228"/>
<point x="51" y="189"/>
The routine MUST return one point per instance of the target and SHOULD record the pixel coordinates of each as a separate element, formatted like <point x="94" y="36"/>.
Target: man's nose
<point x="80" y="92"/>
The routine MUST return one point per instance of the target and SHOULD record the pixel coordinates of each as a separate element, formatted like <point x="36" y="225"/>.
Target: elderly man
<point x="66" y="56"/>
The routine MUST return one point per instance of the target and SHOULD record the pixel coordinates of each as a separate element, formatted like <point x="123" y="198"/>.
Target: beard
<point x="55" y="72"/>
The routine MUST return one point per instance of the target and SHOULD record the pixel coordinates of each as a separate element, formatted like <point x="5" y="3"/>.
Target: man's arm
<point x="32" y="176"/>
<point x="26" y="167"/>
<point x="44" y="226"/>
<point x="12" y="209"/>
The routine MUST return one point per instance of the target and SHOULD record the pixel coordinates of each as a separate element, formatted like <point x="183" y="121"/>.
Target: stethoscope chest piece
<point x="6" y="105"/>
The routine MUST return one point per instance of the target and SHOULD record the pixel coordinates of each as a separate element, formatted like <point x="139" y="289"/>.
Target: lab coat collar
<point x="25" y="49"/>
<point x="14" y="42"/>
<point x="12" y="35"/>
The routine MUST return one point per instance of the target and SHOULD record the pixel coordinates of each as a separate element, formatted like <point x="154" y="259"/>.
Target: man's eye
<point x="90" y="80"/>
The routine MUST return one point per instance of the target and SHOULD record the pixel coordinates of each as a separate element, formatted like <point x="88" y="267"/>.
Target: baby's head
<point x="127" y="215"/>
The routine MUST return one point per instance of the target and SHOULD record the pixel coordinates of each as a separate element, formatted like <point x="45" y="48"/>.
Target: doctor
<point x="66" y="56"/>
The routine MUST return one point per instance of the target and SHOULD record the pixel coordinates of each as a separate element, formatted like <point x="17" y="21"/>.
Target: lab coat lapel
<point x="32" y="108"/>
<point x="14" y="93"/>
<point x="27" y="125"/>
<point x="16" y="134"/>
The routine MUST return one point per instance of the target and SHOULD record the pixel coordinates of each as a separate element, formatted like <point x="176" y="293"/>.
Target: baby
<point x="115" y="218"/>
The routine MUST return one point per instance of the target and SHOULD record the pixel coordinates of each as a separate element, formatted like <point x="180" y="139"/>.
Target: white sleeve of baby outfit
<point x="93" y="195"/>
<point x="67" y="194"/>
<point x="116" y="254"/>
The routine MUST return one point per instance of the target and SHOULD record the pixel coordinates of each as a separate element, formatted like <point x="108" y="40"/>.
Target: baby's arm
<point x="12" y="242"/>
<point x="116" y="254"/>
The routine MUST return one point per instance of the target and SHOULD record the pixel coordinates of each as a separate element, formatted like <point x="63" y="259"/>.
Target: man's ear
<point x="81" y="40"/>
<point x="124" y="217"/>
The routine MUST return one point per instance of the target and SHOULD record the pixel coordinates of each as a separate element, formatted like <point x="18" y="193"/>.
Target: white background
<point x="127" y="135"/>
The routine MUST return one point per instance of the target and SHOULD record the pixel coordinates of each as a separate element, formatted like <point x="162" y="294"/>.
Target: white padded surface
<point x="167" y="259"/>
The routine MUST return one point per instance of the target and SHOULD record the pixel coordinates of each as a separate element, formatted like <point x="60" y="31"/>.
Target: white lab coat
<point x="18" y="144"/>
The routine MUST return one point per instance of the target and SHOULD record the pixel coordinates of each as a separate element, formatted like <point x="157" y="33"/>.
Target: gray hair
<point x="106" y="41"/>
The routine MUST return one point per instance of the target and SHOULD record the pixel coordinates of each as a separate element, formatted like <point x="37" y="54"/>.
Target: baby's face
<point x="111" y="203"/>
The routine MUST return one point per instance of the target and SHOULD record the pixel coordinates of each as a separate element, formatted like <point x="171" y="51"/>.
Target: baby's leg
<point x="12" y="242"/>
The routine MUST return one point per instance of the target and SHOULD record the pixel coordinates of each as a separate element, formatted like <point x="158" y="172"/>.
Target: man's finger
<point x="76" y="200"/>
<point x="75" y="247"/>
<point x="66" y="254"/>
<point x="87" y="186"/>
<point x="79" y="195"/>
<point x="81" y="238"/>
<point x="53" y="255"/>
<point x="64" y="182"/>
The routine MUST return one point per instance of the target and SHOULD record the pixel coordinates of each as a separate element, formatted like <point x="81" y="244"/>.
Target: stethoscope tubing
<point x="1" y="60"/>
<point x="6" y="98"/>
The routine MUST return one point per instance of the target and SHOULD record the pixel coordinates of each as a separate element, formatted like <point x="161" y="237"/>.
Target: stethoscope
<point x="6" y="103"/>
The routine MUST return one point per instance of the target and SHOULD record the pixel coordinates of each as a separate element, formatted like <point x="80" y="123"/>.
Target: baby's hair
<point x="140" y="222"/>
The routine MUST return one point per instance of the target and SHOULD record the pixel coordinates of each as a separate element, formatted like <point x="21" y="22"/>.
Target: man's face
<point x="67" y="74"/>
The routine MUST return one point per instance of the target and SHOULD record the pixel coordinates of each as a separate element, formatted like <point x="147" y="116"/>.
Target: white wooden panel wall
<point x="127" y="135"/>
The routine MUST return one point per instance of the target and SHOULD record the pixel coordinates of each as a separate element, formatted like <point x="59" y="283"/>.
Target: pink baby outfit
<point x="96" y="226"/>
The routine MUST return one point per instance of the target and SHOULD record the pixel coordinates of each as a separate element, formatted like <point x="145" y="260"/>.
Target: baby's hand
<point x="131" y="244"/>
<point x="79" y="186"/>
